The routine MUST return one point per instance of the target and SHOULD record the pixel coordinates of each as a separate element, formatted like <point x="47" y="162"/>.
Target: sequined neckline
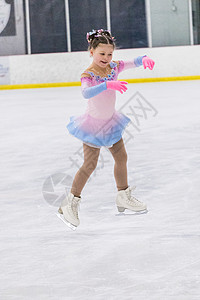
<point x="111" y="76"/>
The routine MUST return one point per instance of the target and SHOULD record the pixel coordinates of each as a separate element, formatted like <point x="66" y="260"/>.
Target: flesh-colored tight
<point x="91" y="156"/>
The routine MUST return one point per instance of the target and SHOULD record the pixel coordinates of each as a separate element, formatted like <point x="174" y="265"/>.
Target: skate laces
<point x="132" y="199"/>
<point x="75" y="205"/>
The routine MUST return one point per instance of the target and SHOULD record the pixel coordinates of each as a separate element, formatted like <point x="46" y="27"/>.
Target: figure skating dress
<point x="101" y="125"/>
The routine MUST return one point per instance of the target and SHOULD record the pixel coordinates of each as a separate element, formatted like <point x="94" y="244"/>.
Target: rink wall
<point x="64" y="69"/>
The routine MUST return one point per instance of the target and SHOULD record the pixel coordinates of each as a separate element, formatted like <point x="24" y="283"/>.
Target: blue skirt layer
<point x="98" y="132"/>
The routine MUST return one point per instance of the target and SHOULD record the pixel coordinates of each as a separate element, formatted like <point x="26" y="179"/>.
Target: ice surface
<point x="110" y="255"/>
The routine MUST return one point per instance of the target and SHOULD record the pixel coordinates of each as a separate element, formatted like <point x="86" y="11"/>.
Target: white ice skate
<point x="124" y="201"/>
<point x="69" y="210"/>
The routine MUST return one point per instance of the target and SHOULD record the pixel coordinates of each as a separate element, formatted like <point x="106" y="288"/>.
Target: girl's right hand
<point x="117" y="85"/>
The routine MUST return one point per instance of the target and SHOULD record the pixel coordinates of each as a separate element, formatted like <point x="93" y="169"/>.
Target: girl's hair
<point x="95" y="37"/>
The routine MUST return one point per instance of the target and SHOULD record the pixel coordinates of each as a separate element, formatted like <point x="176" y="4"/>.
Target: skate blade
<point x="71" y="226"/>
<point x="141" y="212"/>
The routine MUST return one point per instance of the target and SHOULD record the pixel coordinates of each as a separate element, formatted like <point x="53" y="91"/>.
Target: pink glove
<point x="117" y="85"/>
<point x="148" y="62"/>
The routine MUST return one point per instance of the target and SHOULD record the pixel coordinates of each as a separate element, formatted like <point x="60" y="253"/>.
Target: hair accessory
<point x="89" y="34"/>
<point x="98" y="33"/>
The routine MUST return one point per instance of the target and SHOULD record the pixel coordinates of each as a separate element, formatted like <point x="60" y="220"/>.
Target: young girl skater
<point x="102" y="125"/>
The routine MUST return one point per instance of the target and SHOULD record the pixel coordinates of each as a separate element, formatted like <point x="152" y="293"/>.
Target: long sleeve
<point x="89" y="91"/>
<point x="136" y="62"/>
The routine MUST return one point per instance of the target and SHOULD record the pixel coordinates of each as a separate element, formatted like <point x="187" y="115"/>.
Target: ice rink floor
<point x="110" y="256"/>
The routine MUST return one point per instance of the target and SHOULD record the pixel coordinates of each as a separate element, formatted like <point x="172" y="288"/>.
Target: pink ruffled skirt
<point x="98" y="132"/>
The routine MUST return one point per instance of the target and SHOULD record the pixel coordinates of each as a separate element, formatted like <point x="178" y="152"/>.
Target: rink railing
<point x="78" y="83"/>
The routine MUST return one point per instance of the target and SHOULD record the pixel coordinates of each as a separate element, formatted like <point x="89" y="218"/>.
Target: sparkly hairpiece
<point x="97" y="33"/>
<point x="89" y="34"/>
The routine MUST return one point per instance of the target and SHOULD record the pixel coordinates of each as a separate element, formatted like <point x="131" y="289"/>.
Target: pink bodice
<point x="102" y="106"/>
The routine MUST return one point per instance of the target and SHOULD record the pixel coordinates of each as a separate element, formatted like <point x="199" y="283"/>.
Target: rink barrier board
<point x="78" y="83"/>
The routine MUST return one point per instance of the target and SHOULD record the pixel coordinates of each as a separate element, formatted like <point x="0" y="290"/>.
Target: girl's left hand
<point x="148" y="62"/>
